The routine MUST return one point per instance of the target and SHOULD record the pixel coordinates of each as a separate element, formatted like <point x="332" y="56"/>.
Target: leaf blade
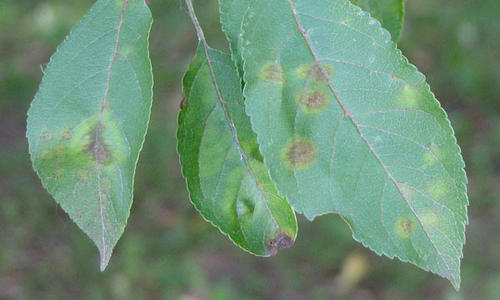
<point x="87" y="123"/>
<point x="343" y="118"/>
<point x="227" y="182"/>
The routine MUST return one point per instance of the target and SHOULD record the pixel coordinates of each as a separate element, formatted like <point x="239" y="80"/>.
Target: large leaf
<point x="87" y="123"/>
<point x="227" y="181"/>
<point x="389" y="12"/>
<point x="347" y="125"/>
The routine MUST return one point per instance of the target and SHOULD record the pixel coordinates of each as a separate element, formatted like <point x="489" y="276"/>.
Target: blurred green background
<point x="168" y="251"/>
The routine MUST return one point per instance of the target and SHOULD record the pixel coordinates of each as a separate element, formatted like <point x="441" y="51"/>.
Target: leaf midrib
<point x="97" y="141"/>
<point x="235" y="133"/>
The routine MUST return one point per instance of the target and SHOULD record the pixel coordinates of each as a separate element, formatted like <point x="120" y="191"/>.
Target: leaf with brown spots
<point x="352" y="128"/>
<point x="227" y="181"/>
<point x="87" y="123"/>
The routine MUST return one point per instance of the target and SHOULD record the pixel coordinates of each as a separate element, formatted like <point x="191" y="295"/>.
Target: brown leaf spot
<point x="404" y="227"/>
<point x="281" y="241"/>
<point x="272" y="72"/>
<point x="317" y="72"/>
<point x="183" y="102"/>
<point x="313" y="101"/>
<point x="300" y="153"/>
<point x="97" y="147"/>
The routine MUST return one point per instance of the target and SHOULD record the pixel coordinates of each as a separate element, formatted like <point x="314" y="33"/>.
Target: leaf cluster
<point x="314" y="111"/>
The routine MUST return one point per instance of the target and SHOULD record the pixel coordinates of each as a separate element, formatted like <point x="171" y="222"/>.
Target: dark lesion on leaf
<point x="182" y="103"/>
<point x="319" y="73"/>
<point x="281" y="241"/>
<point x="405" y="227"/>
<point x="299" y="154"/>
<point x="313" y="101"/>
<point x="97" y="148"/>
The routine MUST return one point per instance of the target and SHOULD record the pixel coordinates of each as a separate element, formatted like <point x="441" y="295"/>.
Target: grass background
<point x="168" y="251"/>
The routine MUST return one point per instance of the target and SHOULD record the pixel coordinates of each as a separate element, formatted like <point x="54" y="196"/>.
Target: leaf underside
<point x="87" y="123"/>
<point x="227" y="180"/>
<point x="346" y="125"/>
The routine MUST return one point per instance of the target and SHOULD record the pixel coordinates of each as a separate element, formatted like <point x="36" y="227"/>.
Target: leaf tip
<point x="105" y="252"/>
<point x="455" y="280"/>
<point x="104" y="261"/>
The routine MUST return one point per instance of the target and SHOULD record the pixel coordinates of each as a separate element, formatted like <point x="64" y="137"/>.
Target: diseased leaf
<point x="87" y="123"/>
<point x="389" y="12"/>
<point x="227" y="181"/>
<point x="345" y="124"/>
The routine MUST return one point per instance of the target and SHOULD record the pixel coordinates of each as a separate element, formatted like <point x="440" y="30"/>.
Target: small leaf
<point x="347" y="125"/>
<point x="87" y="123"/>
<point x="227" y="180"/>
<point x="389" y="12"/>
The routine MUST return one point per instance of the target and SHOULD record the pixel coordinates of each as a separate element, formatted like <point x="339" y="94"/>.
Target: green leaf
<point x="389" y="12"/>
<point x="87" y="123"/>
<point x="347" y="125"/>
<point x="227" y="181"/>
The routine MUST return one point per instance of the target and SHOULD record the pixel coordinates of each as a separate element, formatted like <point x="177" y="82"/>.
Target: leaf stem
<point x="196" y="23"/>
